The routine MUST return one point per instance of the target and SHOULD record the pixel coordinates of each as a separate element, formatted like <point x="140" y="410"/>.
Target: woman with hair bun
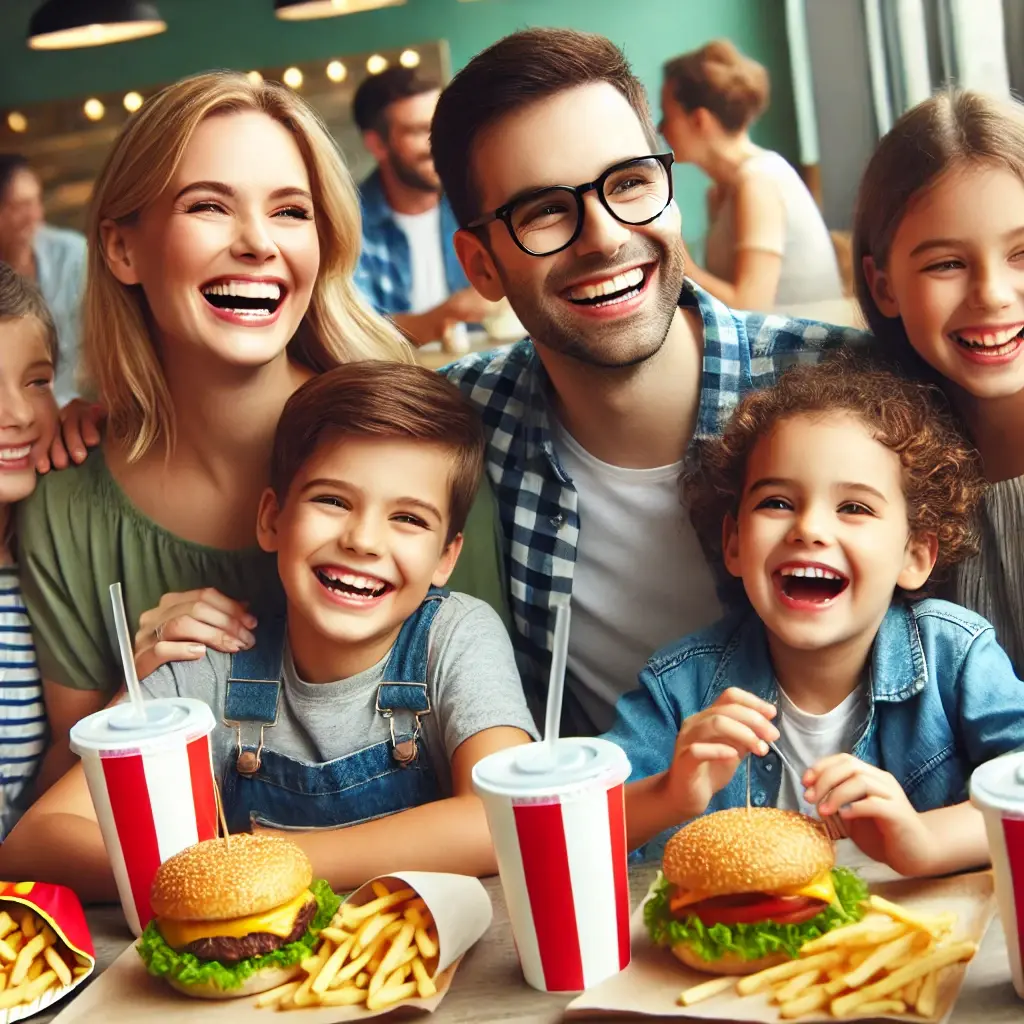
<point x="767" y="244"/>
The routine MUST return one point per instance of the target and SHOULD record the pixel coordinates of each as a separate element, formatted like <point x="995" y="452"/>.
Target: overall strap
<point x="405" y="678"/>
<point x="253" y="690"/>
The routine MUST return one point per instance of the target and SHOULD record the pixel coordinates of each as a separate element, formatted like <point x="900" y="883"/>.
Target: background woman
<point x="767" y="244"/>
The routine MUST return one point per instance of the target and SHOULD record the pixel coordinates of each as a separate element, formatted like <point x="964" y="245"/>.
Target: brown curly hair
<point x="942" y="479"/>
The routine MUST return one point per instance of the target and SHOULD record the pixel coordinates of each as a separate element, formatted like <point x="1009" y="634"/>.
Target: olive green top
<point x="78" y="533"/>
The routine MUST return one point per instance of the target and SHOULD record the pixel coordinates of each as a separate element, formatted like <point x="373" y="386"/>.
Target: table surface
<point x="490" y="987"/>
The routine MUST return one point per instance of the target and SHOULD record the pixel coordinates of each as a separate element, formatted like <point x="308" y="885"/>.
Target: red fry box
<point x="59" y="908"/>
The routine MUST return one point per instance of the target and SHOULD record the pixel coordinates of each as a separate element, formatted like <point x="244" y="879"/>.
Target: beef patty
<point x="228" y="950"/>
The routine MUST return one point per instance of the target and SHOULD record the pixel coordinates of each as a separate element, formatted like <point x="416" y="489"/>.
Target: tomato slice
<point x="753" y="908"/>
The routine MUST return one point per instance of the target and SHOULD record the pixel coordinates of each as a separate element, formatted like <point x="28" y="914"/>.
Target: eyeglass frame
<point x="504" y="213"/>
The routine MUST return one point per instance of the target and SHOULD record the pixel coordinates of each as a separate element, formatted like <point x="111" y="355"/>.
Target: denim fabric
<point x="289" y="793"/>
<point x="384" y="273"/>
<point x="943" y="699"/>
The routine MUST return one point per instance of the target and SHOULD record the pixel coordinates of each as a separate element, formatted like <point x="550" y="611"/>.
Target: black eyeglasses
<point x="549" y="220"/>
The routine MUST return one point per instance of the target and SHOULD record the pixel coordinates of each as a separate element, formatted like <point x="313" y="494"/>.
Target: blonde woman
<point x="767" y="244"/>
<point x="223" y="235"/>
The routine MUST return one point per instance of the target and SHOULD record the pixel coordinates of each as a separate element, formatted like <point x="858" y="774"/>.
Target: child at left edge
<point x="832" y="496"/>
<point x="390" y="688"/>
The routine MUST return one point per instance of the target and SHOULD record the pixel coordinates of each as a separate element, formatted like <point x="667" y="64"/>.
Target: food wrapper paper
<point x="651" y="984"/>
<point x="126" y="994"/>
<point x="59" y="907"/>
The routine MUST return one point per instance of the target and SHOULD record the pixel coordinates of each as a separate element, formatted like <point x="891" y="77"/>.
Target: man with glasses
<point x="548" y="155"/>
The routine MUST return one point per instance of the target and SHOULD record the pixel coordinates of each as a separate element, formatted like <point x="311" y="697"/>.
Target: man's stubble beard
<point x="409" y="176"/>
<point x="548" y="329"/>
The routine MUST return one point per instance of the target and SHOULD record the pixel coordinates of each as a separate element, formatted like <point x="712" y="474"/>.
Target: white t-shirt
<point x="806" y="738"/>
<point x="429" y="285"/>
<point x="641" y="579"/>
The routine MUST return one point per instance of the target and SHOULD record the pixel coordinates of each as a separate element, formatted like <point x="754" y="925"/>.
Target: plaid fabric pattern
<point x="537" y="501"/>
<point x="384" y="271"/>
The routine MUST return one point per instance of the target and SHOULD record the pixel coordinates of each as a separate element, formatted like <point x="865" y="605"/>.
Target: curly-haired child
<point x="834" y="497"/>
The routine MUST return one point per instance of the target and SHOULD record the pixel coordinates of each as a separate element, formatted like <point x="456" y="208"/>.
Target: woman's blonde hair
<point x="952" y="130"/>
<point x="117" y="350"/>
<point x="718" y="78"/>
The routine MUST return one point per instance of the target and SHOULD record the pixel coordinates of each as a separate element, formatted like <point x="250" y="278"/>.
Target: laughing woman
<point x="223" y="235"/>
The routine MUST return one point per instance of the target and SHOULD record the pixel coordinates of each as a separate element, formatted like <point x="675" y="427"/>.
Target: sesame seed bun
<point x="760" y="849"/>
<point x="730" y="964"/>
<point x="220" y="879"/>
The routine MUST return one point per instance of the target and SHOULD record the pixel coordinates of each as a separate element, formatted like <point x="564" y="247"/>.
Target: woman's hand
<point x="80" y="423"/>
<point x="182" y="626"/>
<point x="875" y="811"/>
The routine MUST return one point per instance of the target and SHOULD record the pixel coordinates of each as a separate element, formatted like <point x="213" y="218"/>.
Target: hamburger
<point x="744" y="889"/>
<point x="236" y="917"/>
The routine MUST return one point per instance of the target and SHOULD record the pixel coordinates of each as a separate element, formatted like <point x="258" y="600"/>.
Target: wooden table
<point x="490" y="987"/>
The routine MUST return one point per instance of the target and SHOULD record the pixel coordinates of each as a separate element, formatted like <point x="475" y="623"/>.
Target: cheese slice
<point x="820" y="888"/>
<point x="280" y="921"/>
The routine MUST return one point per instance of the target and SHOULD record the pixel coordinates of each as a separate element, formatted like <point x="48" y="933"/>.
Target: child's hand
<point x="182" y="626"/>
<point x="80" y="423"/>
<point x="876" y="812"/>
<point x="711" y="745"/>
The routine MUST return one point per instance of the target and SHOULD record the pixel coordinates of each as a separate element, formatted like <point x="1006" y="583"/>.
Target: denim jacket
<point x="943" y="699"/>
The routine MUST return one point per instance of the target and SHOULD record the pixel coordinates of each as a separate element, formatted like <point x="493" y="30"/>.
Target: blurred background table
<point x="489" y="985"/>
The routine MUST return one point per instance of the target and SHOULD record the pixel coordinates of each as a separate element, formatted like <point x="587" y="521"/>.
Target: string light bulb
<point x="375" y="64"/>
<point x="292" y="78"/>
<point x="409" y="59"/>
<point x="255" y="78"/>
<point x="17" y="121"/>
<point x="132" y="101"/>
<point x="336" y="71"/>
<point x="94" y="109"/>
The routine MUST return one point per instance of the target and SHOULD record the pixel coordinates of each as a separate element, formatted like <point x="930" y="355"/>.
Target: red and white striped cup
<point x="559" y="831"/>
<point x="997" y="790"/>
<point x="152" y="786"/>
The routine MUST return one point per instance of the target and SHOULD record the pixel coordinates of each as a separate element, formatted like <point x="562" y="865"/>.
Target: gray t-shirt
<point x="472" y="685"/>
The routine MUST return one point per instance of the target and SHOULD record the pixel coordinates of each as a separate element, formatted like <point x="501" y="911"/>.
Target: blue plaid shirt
<point x="384" y="273"/>
<point x="536" y="498"/>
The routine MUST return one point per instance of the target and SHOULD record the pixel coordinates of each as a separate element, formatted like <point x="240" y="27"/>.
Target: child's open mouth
<point x="992" y="343"/>
<point x="809" y="586"/>
<point x="352" y="586"/>
<point x="244" y="300"/>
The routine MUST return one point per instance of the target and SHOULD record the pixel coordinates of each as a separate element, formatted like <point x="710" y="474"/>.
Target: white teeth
<point x="810" y="571"/>
<point x="988" y="339"/>
<point x="13" y="454"/>
<point x="245" y="289"/>
<point x="356" y="582"/>
<point x="630" y="279"/>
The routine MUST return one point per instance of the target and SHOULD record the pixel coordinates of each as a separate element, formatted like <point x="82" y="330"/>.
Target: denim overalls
<point x="271" y="789"/>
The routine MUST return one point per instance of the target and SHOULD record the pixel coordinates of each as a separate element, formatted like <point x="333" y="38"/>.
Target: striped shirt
<point x="22" y="714"/>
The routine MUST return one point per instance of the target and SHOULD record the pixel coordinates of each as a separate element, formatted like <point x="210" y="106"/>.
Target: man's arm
<point x="446" y="835"/>
<point x="465" y="306"/>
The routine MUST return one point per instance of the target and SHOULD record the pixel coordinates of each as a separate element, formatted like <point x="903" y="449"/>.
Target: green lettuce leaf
<point x="187" y="969"/>
<point x="752" y="941"/>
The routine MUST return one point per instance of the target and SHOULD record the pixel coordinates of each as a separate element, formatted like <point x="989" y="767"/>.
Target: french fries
<point x="32" y="959"/>
<point x="889" y="962"/>
<point x="375" y="955"/>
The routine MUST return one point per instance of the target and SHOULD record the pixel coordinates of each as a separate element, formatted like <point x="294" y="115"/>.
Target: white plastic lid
<point x="118" y="728"/>
<point x="528" y="771"/>
<point x="999" y="783"/>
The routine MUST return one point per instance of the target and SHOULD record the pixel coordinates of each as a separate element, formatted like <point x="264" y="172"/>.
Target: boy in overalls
<point x="356" y="719"/>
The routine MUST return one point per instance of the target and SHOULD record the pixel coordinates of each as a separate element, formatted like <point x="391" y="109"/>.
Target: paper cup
<point x="559" y="832"/>
<point x="997" y="790"/>
<point x="152" y="786"/>
<point x="459" y="904"/>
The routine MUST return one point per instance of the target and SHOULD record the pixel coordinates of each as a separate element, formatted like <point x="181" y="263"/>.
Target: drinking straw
<point x="127" y="654"/>
<point x="556" y="681"/>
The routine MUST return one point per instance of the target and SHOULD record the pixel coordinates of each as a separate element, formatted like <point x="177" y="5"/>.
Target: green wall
<point x="243" y="34"/>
